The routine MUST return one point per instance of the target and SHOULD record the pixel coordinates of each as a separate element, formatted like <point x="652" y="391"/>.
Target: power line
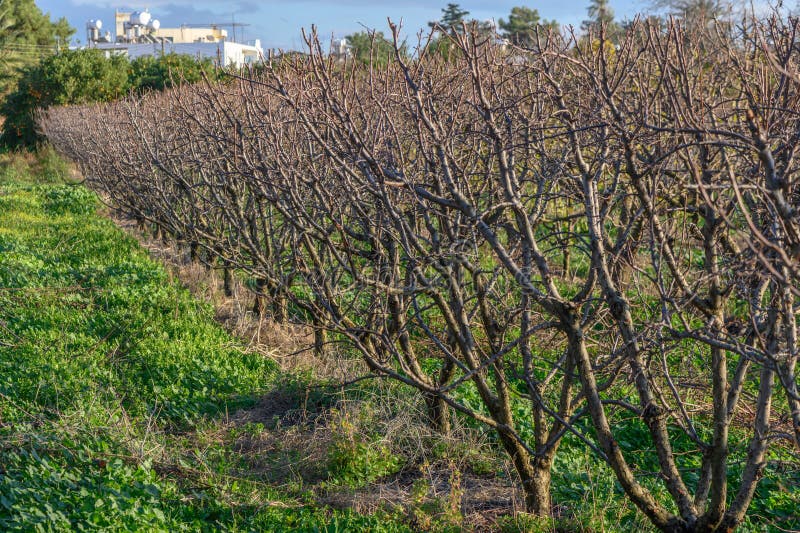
<point x="29" y="46"/>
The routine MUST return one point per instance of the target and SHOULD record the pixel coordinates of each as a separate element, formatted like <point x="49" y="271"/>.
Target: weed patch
<point x="106" y="364"/>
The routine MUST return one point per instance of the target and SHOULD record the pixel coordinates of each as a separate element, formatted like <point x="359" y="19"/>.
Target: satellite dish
<point x="140" y="18"/>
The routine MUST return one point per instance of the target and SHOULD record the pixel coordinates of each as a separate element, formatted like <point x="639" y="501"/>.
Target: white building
<point x="138" y="34"/>
<point x="223" y="52"/>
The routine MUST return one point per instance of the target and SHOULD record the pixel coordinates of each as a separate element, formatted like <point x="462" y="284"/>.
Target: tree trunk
<point x="227" y="280"/>
<point x="537" y="493"/>
<point x="438" y="413"/>
<point x="258" y="303"/>
<point x="280" y="307"/>
<point x="320" y="338"/>
<point x="534" y="476"/>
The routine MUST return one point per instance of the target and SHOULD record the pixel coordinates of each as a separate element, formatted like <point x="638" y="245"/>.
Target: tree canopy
<point x="454" y="20"/>
<point x="162" y="72"/>
<point x="600" y="11"/>
<point x="453" y="17"/>
<point x="520" y="28"/>
<point x="601" y="15"/>
<point x="26" y="35"/>
<point x="694" y="11"/>
<point x="79" y="76"/>
<point x="85" y="76"/>
<point x="372" y="47"/>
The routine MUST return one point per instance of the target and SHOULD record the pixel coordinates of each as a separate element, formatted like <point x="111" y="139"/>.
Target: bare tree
<point x="580" y="235"/>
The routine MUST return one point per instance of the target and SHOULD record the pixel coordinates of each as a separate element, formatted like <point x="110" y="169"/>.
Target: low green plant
<point x="42" y="167"/>
<point x="436" y="512"/>
<point x="115" y="383"/>
<point x="68" y="199"/>
<point x="355" y="459"/>
<point x="528" y="523"/>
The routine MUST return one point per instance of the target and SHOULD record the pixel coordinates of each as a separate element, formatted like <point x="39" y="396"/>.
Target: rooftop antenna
<point x="215" y="25"/>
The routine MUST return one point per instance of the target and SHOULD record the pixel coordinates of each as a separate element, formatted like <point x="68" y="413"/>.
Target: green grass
<point x="105" y="364"/>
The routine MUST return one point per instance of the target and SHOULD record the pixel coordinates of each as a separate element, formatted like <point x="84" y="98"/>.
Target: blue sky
<point x="278" y="22"/>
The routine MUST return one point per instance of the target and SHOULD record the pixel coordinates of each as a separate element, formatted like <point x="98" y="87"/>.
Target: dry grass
<point x="439" y="481"/>
<point x="285" y="439"/>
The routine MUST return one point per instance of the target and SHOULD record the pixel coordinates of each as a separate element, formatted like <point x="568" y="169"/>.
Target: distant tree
<point x="453" y="18"/>
<point x="372" y="47"/>
<point x="159" y="73"/>
<point x="453" y="21"/>
<point x="84" y="76"/>
<point x="71" y="77"/>
<point x="520" y="28"/>
<point x="600" y="11"/>
<point x="601" y="18"/>
<point x="8" y="60"/>
<point x="601" y="14"/>
<point x="694" y="10"/>
<point x="26" y="34"/>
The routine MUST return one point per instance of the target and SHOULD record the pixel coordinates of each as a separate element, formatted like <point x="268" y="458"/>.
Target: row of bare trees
<point x="591" y="238"/>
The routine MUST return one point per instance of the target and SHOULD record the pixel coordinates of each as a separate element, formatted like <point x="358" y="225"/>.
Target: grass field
<point x="111" y="378"/>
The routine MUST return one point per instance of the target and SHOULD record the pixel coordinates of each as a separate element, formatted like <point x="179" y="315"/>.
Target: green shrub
<point x="71" y="77"/>
<point x="162" y="72"/>
<point x="86" y="76"/>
